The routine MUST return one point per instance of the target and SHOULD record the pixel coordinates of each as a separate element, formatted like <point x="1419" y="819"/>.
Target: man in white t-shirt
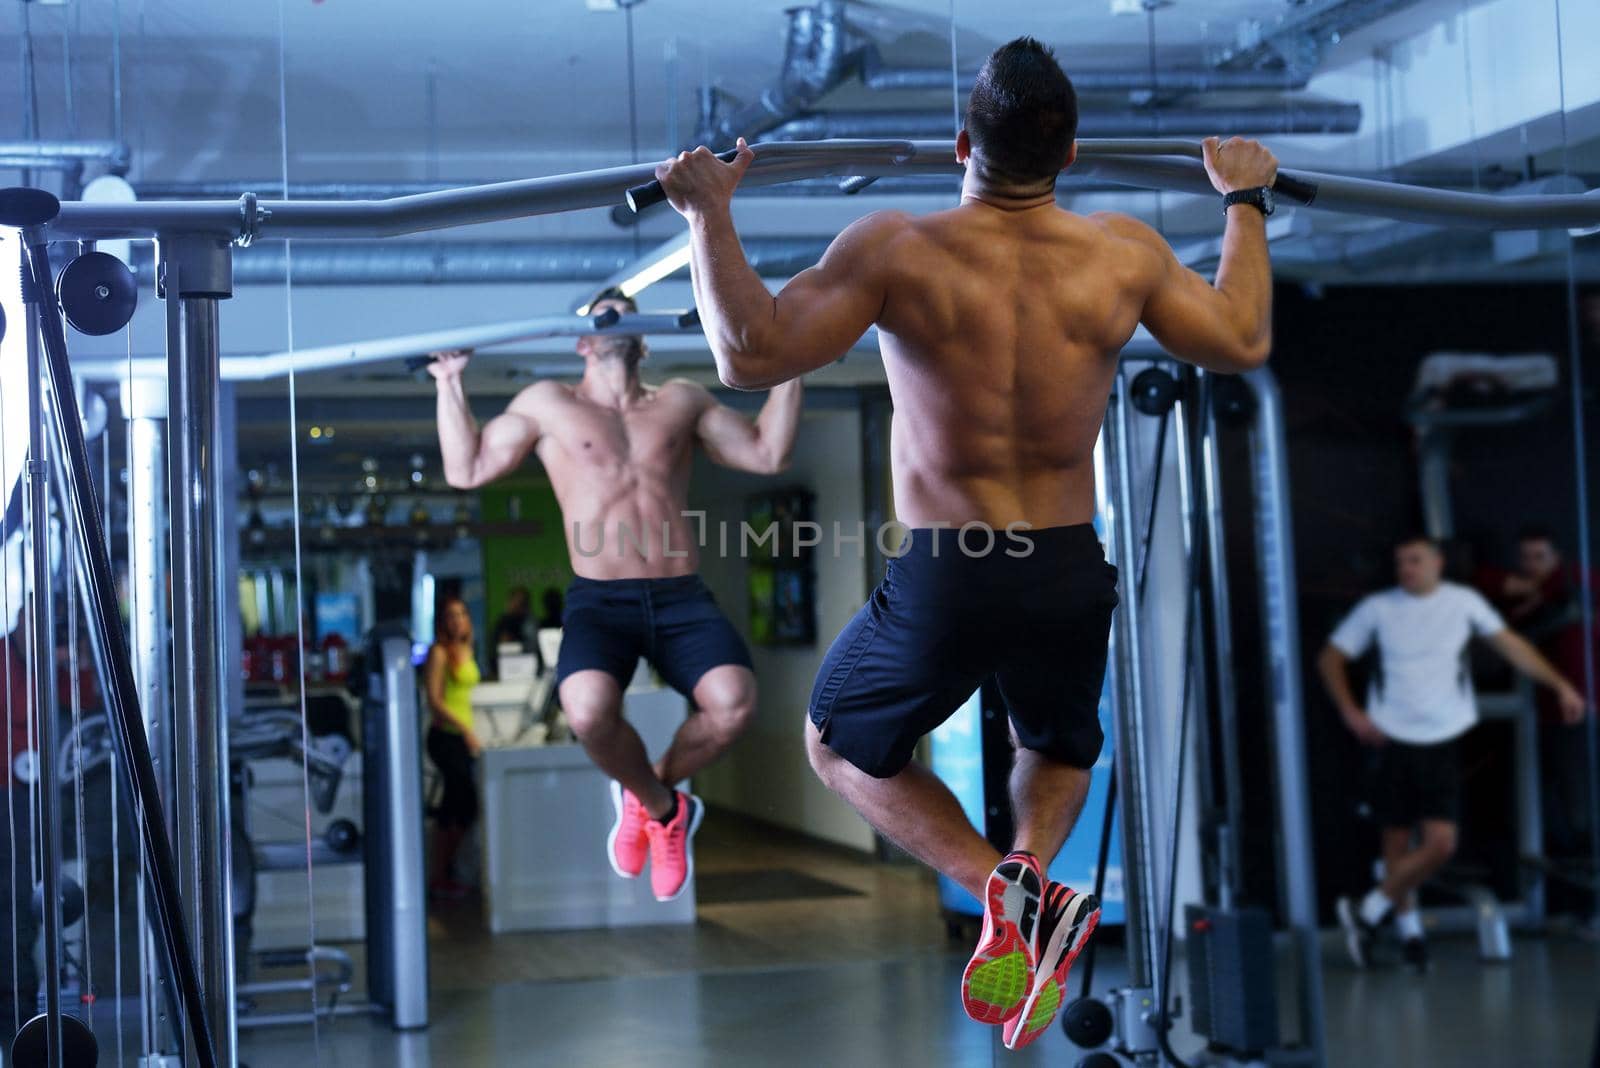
<point x="1419" y="702"/>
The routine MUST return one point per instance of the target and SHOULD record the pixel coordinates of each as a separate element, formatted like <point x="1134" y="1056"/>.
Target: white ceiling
<point x="515" y="81"/>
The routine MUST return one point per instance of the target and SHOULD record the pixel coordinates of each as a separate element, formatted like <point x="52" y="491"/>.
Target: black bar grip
<point x="1295" y="189"/>
<point x="650" y="193"/>
<point x="417" y="363"/>
<point x="23" y="206"/>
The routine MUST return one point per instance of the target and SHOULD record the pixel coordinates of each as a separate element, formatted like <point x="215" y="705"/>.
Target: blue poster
<point x="957" y="758"/>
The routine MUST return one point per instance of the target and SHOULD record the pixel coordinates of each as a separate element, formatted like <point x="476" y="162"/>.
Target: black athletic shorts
<point x="458" y="807"/>
<point x="608" y="624"/>
<point x="946" y="617"/>
<point x="1412" y="783"/>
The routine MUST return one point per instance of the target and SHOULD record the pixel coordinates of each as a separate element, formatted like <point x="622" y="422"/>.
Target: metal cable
<point x="116" y="115"/>
<point x="30" y="95"/>
<point x="1472" y="108"/>
<point x="955" y="77"/>
<point x="633" y="113"/>
<point x="1155" y="89"/>
<point x="66" y="69"/>
<point x="147" y="1029"/>
<point x="68" y="545"/>
<point x="11" y="756"/>
<point x="1580" y="468"/>
<point x="115" y="816"/>
<point x="299" y="572"/>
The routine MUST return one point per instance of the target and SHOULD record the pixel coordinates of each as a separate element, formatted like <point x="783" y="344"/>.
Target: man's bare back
<point x="999" y="321"/>
<point x="999" y="332"/>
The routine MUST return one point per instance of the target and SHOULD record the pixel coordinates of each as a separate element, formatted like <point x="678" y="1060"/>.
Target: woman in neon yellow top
<point x="452" y="745"/>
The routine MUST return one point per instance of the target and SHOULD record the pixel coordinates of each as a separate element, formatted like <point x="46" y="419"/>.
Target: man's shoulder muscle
<point x="539" y="397"/>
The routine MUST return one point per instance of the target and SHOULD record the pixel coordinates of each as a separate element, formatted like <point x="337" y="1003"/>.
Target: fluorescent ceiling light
<point x="666" y="259"/>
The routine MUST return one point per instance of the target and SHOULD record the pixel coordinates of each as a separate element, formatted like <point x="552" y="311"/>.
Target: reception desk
<point x="546" y="813"/>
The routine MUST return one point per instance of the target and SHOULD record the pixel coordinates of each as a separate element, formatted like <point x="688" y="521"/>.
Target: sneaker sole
<point x="1352" y="932"/>
<point x="611" y="838"/>
<point x="688" y="849"/>
<point x="998" y="977"/>
<point x="1050" y="988"/>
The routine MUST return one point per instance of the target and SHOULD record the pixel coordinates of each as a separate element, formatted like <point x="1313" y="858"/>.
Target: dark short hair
<point x="1022" y="115"/>
<point x="616" y="294"/>
<point x="1419" y="537"/>
<point x="1537" y="532"/>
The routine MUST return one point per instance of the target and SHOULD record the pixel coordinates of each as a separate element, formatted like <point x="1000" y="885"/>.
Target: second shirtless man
<point x="618" y="454"/>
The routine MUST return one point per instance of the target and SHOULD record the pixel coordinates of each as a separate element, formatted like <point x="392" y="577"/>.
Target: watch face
<point x="1269" y="203"/>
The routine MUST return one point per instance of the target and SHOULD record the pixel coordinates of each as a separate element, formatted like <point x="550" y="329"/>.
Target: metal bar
<point x="1281" y="623"/>
<point x="1131" y="752"/>
<point x="1166" y="165"/>
<point x="375" y="350"/>
<point x="43" y="667"/>
<point x="200" y="740"/>
<point x="98" y="589"/>
<point x="1197" y="684"/>
<point x="1230" y="844"/>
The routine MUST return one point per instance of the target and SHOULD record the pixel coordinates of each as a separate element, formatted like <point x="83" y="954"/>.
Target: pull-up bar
<point x="1163" y="165"/>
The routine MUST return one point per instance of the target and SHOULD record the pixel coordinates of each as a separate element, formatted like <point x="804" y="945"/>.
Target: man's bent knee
<point x="824" y="761"/>
<point x="591" y="705"/>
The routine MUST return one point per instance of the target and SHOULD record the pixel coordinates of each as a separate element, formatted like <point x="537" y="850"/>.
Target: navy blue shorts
<point x="608" y="624"/>
<point x="943" y="620"/>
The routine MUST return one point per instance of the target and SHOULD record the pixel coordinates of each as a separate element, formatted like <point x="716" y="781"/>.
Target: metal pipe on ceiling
<point x="879" y="76"/>
<point x="65" y="155"/>
<point x="326" y="263"/>
<point x="1282" y="118"/>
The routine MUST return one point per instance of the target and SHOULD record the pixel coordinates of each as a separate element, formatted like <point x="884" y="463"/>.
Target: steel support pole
<point x="1132" y="749"/>
<point x="97" y="587"/>
<point x="43" y="668"/>
<point x="1281" y="624"/>
<point x="1229" y="843"/>
<point x="195" y="275"/>
<point x="144" y="403"/>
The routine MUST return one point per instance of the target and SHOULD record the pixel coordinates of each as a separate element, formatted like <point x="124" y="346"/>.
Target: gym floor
<point x="860" y="970"/>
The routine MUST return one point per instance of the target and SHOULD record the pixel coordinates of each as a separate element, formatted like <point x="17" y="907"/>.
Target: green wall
<point x="537" y="561"/>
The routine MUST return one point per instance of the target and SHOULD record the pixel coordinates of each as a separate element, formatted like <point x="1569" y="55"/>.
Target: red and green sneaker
<point x="999" y="977"/>
<point x="1066" y="920"/>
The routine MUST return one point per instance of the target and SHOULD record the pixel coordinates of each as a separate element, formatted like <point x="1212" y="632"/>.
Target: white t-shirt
<point x="1421" y="690"/>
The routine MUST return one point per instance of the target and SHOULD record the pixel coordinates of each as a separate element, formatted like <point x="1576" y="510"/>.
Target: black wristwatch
<point x="1259" y="198"/>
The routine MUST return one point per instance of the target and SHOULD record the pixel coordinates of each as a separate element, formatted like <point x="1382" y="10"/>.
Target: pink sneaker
<point x="999" y="977"/>
<point x="627" y="846"/>
<point x="671" y="858"/>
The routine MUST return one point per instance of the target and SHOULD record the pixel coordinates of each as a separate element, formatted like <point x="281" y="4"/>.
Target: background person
<point x="453" y="746"/>
<point x="512" y="626"/>
<point x="1544" y="598"/>
<point x="1419" y="702"/>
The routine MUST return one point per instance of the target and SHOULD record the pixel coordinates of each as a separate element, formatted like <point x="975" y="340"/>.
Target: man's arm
<point x="1333" y="666"/>
<point x="763" y="446"/>
<point x="758" y="339"/>
<point x="1226" y="326"/>
<point x="1528" y="660"/>
<point x="473" y="458"/>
